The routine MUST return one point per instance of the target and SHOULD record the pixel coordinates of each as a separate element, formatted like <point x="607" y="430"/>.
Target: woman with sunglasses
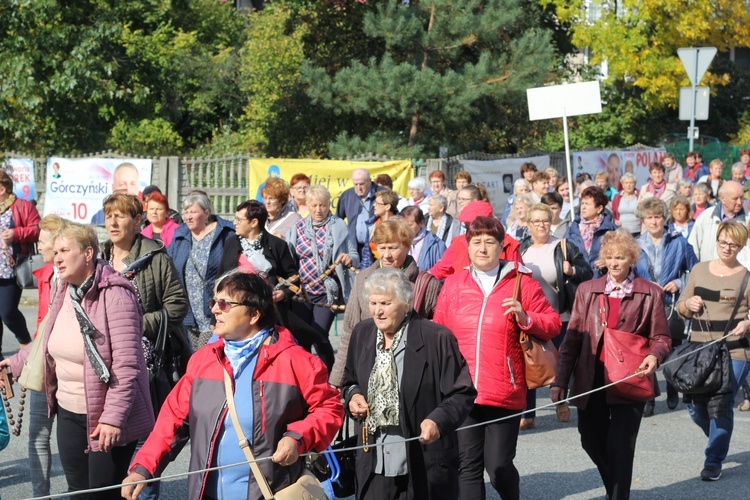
<point x="708" y="300"/>
<point x="552" y="268"/>
<point x="384" y="207"/>
<point x="283" y="401"/>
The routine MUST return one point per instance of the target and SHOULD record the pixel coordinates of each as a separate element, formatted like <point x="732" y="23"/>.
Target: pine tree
<point x="444" y="63"/>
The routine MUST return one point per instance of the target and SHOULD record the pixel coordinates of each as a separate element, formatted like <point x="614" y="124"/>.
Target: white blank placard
<point x="570" y="99"/>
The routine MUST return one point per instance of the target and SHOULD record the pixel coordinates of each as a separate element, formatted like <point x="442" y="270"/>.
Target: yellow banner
<point x="334" y="175"/>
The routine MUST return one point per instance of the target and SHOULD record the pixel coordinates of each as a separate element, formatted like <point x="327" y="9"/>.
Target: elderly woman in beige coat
<point x="393" y="240"/>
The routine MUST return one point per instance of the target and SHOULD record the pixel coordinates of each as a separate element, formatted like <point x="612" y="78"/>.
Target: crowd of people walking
<point x="191" y="327"/>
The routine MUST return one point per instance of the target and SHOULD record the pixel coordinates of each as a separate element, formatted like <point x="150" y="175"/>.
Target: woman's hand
<point x="515" y="307"/>
<point x="108" y="436"/>
<point x="286" y="452"/>
<point x="131" y="491"/>
<point x="618" y="223"/>
<point x="7" y="236"/>
<point x="358" y="406"/>
<point x="739" y="331"/>
<point x="556" y="394"/>
<point x="671" y="287"/>
<point x="344" y="259"/>
<point x="567" y="268"/>
<point x="430" y="432"/>
<point x="694" y="304"/>
<point x="648" y="366"/>
<point x="278" y="295"/>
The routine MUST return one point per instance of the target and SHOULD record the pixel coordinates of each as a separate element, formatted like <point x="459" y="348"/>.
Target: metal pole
<point x="568" y="166"/>
<point x="695" y="82"/>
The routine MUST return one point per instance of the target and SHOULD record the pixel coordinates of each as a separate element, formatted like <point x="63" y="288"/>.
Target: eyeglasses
<point x="301" y="188"/>
<point x="237" y="220"/>
<point x="379" y="203"/>
<point x="224" y="305"/>
<point x="464" y="199"/>
<point x="539" y="222"/>
<point x="726" y="244"/>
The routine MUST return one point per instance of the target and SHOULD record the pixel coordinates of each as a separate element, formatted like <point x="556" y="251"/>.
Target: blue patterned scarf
<point x="241" y="352"/>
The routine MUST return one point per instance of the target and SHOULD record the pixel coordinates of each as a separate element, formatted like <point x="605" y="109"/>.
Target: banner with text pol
<point x="77" y="187"/>
<point x="334" y="175"/>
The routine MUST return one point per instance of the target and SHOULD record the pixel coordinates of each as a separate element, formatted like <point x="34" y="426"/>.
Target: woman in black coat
<point x="402" y="390"/>
<point x="253" y="249"/>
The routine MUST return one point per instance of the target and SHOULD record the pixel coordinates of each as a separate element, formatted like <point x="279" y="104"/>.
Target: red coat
<point x="291" y="397"/>
<point x="488" y="338"/>
<point x="26" y="224"/>
<point x="456" y="256"/>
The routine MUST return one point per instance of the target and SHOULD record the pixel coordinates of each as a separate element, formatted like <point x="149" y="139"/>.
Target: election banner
<point x="334" y="175"/>
<point x="616" y="163"/>
<point x="22" y="171"/>
<point x="497" y="176"/>
<point x="77" y="187"/>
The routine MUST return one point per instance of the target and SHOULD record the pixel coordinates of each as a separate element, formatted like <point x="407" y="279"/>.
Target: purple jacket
<point x="112" y="306"/>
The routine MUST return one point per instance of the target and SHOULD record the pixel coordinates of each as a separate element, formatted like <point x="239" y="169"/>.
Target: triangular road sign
<point x="696" y="61"/>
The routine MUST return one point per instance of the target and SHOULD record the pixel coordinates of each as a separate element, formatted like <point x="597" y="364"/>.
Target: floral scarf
<point x="382" y="386"/>
<point x="588" y="229"/>
<point x="4" y="206"/>
<point x="253" y="252"/>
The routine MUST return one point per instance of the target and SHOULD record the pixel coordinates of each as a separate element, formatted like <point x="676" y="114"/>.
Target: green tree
<point x="72" y="71"/>
<point x="442" y="64"/>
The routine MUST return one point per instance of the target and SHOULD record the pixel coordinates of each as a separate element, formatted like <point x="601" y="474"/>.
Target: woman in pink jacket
<point x="478" y="306"/>
<point x="95" y="374"/>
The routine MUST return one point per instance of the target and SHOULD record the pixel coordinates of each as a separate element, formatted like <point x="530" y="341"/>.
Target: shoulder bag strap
<point x="265" y="489"/>
<point x="603" y="309"/>
<point x="564" y="246"/>
<point x="743" y="287"/>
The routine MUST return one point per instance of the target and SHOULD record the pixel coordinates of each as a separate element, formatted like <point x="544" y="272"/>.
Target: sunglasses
<point x="224" y="305"/>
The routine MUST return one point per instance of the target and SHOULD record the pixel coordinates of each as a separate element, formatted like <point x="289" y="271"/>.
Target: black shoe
<point x="710" y="473"/>
<point x="672" y="401"/>
<point x="648" y="410"/>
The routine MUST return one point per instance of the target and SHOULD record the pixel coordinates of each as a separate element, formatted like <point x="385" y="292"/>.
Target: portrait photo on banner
<point x="334" y="175"/>
<point x="616" y="163"/>
<point x="76" y="188"/>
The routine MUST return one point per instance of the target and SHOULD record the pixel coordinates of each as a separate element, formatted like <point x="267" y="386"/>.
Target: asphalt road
<point x="552" y="465"/>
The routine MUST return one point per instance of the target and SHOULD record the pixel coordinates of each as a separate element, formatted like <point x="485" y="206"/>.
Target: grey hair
<point x="318" y="192"/>
<point x="441" y="200"/>
<point x="738" y="167"/>
<point x="628" y="175"/>
<point x="520" y="182"/>
<point x="418" y="183"/>
<point x="528" y="200"/>
<point x="650" y="206"/>
<point x="685" y="183"/>
<point x="704" y="188"/>
<point x="360" y="172"/>
<point x="197" y="199"/>
<point x="389" y="280"/>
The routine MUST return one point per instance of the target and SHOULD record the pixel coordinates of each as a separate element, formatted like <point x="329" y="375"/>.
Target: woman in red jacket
<point x="609" y="424"/>
<point x="19" y="229"/>
<point x="478" y="306"/>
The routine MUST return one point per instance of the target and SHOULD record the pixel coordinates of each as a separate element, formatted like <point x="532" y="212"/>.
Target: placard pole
<point x="568" y="166"/>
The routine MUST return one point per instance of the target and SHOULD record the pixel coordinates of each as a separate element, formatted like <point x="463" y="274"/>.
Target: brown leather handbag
<point x="623" y="354"/>
<point x="540" y="357"/>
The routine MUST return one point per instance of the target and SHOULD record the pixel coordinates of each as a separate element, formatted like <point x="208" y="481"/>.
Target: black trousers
<point x="89" y="470"/>
<point x="491" y="447"/>
<point x="321" y="319"/>
<point x="608" y="435"/>
<point x="10" y="297"/>
<point x="380" y="487"/>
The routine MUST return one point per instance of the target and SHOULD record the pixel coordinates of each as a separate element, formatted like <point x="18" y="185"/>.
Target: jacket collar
<point x="640" y="285"/>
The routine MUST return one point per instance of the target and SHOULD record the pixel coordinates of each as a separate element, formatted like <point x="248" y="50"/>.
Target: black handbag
<point x="571" y="287"/>
<point x="345" y="484"/>
<point x="164" y="369"/>
<point x="696" y="369"/>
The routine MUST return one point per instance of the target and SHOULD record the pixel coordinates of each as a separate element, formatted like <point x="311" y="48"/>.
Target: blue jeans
<point x="40" y="454"/>
<point x="719" y="430"/>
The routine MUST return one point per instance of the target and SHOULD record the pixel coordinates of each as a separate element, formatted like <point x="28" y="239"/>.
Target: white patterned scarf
<point x="382" y="387"/>
<point x="322" y="262"/>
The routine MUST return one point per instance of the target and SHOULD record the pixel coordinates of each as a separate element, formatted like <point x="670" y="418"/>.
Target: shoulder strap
<point x="420" y="290"/>
<point x="265" y="489"/>
<point x="740" y="295"/>
<point x="564" y="246"/>
<point x="603" y="309"/>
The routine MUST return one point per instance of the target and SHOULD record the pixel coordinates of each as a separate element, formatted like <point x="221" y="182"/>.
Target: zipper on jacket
<point x="262" y="409"/>
<point x="512" y="376"/>
<point x="479" y="342"/>
<point x="210" y="454"/>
